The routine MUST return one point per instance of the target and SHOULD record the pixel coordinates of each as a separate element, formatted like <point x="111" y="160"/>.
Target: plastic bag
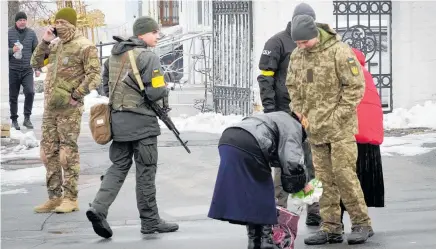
<point x="18" y="54"/>
<point x="303" y="198"/>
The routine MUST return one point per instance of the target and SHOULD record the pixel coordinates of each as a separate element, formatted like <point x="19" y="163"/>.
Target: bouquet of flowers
<point x="309" y="195"/>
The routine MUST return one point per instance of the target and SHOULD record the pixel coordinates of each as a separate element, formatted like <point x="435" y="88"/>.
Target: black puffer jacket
<point x="280" y="137"/>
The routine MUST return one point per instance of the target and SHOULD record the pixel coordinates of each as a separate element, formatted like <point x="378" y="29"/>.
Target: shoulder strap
<point x="119" y="74"/>
<point x="135" y="70"/>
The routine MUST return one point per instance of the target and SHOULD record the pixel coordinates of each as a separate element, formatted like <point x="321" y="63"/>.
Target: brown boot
<point x="48" y="206"/>
<point x="67" y="206"/>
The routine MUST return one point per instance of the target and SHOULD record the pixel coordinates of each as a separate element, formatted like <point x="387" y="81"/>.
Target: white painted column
<point x="4" y="62"/>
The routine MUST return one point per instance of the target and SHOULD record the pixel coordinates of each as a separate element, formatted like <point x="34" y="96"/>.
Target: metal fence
<point x="367" y="26"/>
<point x="232" y="57"/>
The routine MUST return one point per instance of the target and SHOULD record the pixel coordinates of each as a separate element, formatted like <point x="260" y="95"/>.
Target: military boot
<point x="15" y="125"/>
<point x="48" y="206"/>
<point x="322" y="237"/>
<point x="253" y="233"/>
<point x="27" y="123"/>
<point x="67" y="206"/>
<point x="359" y="235"/>
<point x="99" y="223"/>
<point x="161" y="227"/>
<point x="313" y="217"/>
<point x="266" y="241"/>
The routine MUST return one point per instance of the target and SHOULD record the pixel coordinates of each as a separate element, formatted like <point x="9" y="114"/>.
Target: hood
<point x="327" y="38"/>
<point x="288" y="27"/>
<point x="360" y="56"/>
<point x="123" y="45"/>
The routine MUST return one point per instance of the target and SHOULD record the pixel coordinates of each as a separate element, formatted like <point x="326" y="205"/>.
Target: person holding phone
<point x="73" y="71"/>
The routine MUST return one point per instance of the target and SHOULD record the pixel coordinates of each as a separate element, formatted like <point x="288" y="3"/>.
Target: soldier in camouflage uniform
<point x="326" y="83"/>
<point x="273" y="64"/>
<point x="73" y="70"/>
<point x="135" y="127"/>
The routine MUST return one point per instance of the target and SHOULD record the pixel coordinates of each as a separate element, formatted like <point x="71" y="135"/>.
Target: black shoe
<point x="161" y="227"/>
<point x="359" y="235"/>
<point x="322" y="237"/>
<point x="27" y="123"/>
<point x="254" y="235"/>
<point x="15" y="125"/>
<point x="313" y="219"/>
<point x="266" y="241"/>
<point x="99" y="223"/>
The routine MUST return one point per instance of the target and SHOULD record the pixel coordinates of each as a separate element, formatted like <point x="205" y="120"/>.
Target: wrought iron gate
<point x="367" y="26"/>
<point x="232" y="57"/>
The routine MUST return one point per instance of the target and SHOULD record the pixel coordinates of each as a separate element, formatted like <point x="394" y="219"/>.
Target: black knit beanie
<point x="20" y="15"/>
<point x="143" y="25"/>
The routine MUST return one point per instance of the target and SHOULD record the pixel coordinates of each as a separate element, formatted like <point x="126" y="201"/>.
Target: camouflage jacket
<point x="326" y="84"/>
<point x="73" y="70"/>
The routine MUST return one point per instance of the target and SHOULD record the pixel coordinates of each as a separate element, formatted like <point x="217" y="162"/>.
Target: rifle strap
<point x="135" y="70"/>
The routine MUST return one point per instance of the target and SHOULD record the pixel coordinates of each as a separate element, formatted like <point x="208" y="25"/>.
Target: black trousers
<point x="145" y="155"/>
<point x="18" y="78"/>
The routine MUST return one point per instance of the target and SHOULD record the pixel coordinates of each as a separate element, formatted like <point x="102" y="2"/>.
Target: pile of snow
<point x="204" y="122"/>
<point x="27" y="148"/>
<point x="417" y="116"/>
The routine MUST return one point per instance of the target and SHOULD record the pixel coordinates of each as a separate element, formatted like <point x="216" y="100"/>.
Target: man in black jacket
<point x="20" y="70"/>
<point x="273" y="64"/>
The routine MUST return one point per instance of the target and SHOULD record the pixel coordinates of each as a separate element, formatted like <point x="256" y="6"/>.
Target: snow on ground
<point x="417" y="116"/>
<point x="410" y="145"/>
<point x="28" y="148"/>
<point x="204" y="122"/>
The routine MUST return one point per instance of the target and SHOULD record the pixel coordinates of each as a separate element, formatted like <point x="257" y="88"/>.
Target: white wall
<point x="150" y="8"/>
<point x="4" y="62"/>
<point x="413" y="54"/>
<point x="272" y="16"/>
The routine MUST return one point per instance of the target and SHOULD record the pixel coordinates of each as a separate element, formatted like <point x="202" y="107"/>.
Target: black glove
<point x="294" y="181"/>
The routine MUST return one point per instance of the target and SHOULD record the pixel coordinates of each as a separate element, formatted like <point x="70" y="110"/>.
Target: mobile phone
<point x="55" y="33"/>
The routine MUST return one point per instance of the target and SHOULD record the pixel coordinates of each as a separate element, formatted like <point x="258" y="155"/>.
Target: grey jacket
<point x="280" y="136"/>
<point x="129" y="125"/>
<point x="28" y="38"/>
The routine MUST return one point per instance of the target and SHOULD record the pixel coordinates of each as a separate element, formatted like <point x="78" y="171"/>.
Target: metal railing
<point x="185" y="58"/>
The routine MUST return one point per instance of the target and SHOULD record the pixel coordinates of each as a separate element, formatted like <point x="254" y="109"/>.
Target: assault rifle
<point x="162" y="113"/>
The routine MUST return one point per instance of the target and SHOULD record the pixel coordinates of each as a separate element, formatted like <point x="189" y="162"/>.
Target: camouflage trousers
<point x="59" y="151"/>
<point x="335" y="167"/>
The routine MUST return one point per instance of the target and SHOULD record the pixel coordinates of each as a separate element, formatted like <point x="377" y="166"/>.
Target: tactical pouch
<point x="100" y="123"/>
<point x="60" y="97"/>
